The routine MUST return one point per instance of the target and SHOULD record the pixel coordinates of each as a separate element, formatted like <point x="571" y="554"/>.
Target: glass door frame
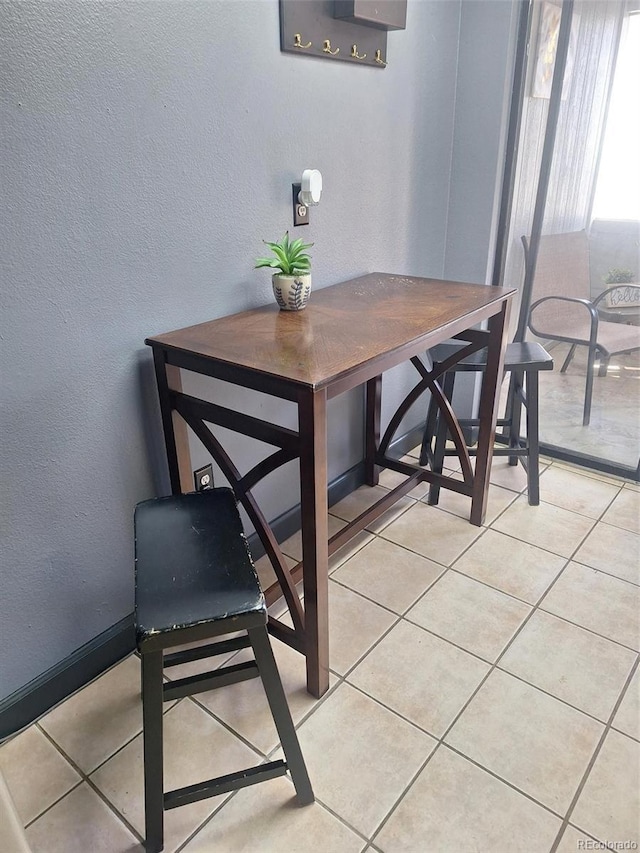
<point x="523" y="51"/>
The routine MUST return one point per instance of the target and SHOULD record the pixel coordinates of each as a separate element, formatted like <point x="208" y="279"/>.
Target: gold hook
<point x="379" y="58"/>
<point x="298" y="41"/>
<point x="327" y="48"/>
<point x="355" y="54"/>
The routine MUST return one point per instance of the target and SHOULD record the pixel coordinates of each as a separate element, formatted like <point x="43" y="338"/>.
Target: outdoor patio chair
<point x="562" y="308"/>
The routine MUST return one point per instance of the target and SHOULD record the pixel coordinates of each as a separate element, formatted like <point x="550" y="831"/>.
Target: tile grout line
<point x="522" y="493"/>
<point x="268" y="756"/>
<point x="567" y="560"/>
<point x="259" y="753"/>
<point x="441" y="742"/>
<point x="344" y="822"/>
<point x="386" y="607"/>
<point x="441" y="575"/>
<point x="584" y="628"/>
<point x="402" y="795"/>
<point x="492" y="668"/>
<point x="265" y="756"/>
<point x="593" y="474"/>
<point x="30" y="823"/>
<point x="84" y="778"/>
<point x="61" y="702"/>
<point x="604" y="571"/>
<point x="233" y="794"/>
<point x="343" y="679"/>
<point x="553" y="696"/>
<point x="510" y="595"/>
<point x="206" y="821"/>
<point x="456" y="717"/>
<point x="594" y="757"/>
<point x="404" y="616"/>
<point x="618" y="486"/>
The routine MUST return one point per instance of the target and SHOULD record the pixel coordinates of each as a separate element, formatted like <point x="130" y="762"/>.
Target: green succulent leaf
<point x="618" y="275"/>
<point x="291" y="256"/>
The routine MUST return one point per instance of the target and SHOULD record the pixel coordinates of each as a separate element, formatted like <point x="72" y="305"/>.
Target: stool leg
<point x="441" y="440"/>
<point x="426" y="457"/>
<point x="515" y="413"/>
<point x="281" y="714"/>
<point x="153" y="763"/>
<point x="533" y="441"/>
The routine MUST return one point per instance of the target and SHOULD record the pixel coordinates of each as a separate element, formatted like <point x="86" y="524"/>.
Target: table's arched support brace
<point x="455" y="431"/>
<point x="399" y="414"/>
<point x="182" y="405"/>
<point x="429" y="382"/>
<point x="260" y="471"/>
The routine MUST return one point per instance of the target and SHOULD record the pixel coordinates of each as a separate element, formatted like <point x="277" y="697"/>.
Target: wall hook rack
<point x="353" y="31"/>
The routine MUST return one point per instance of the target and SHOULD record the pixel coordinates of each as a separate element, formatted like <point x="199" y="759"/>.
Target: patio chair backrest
<point x="562" y="269"/>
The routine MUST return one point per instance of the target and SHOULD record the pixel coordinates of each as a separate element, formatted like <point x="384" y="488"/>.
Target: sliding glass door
<point x="574" y="226"/>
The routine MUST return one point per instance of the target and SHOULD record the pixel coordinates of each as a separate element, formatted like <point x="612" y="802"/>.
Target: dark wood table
<point x="348" y="335"/>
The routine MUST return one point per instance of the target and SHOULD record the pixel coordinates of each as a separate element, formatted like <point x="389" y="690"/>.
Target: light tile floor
<point x="484" y="696"/>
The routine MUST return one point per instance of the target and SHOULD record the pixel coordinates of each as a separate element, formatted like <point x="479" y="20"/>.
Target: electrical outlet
<point x="300" y="211"/>
<point x="203" y="478"/>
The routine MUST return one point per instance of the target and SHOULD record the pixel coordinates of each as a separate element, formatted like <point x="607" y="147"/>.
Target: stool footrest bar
<point x="497" y="451"/>
<point x="209" y="680"/>
<point x="224" y="784"/>
<point x="210" y="650"/>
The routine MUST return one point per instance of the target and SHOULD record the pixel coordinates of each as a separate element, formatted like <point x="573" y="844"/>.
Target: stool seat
<point x="195" y="580"/>
<point x="190" y="577"/>
<point x="517" y="355"/>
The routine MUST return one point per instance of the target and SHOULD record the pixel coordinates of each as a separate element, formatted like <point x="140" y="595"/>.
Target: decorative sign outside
<point x="624" y="296"/>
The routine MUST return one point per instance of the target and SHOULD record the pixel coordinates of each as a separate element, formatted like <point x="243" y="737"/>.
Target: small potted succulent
<point x="292" y="284"/>
<point x="617" y="275"/>
<point x="617" y="295"/>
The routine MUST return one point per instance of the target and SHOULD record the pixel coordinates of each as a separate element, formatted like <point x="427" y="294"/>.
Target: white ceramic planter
<point x="291" y="291"/>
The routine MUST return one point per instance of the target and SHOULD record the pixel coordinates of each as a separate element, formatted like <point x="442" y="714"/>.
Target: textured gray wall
<point x="147" y="149"/>
<point x="483" y="92"/>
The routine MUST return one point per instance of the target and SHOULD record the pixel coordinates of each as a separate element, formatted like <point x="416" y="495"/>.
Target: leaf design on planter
<point x="298" y="294"/>
<point x="279" y="298"/>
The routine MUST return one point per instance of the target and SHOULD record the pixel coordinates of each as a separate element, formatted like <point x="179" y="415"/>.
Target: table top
<point x="343" y="327"/>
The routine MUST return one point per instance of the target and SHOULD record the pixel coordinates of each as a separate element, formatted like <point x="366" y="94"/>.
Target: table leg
<point x="175" y="430"/>
<point x="373" y="393"/>
<point x="488" y="414"/>
<point x="312" y="416"/>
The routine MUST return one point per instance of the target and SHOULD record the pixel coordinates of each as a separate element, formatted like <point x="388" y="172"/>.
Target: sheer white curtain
<point x="618" y="187"/>
<point x="596" y="31"/>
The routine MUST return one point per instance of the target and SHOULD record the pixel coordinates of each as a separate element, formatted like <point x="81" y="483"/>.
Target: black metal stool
<point x="194" y="581"/>
<point x="523" y="361"/>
